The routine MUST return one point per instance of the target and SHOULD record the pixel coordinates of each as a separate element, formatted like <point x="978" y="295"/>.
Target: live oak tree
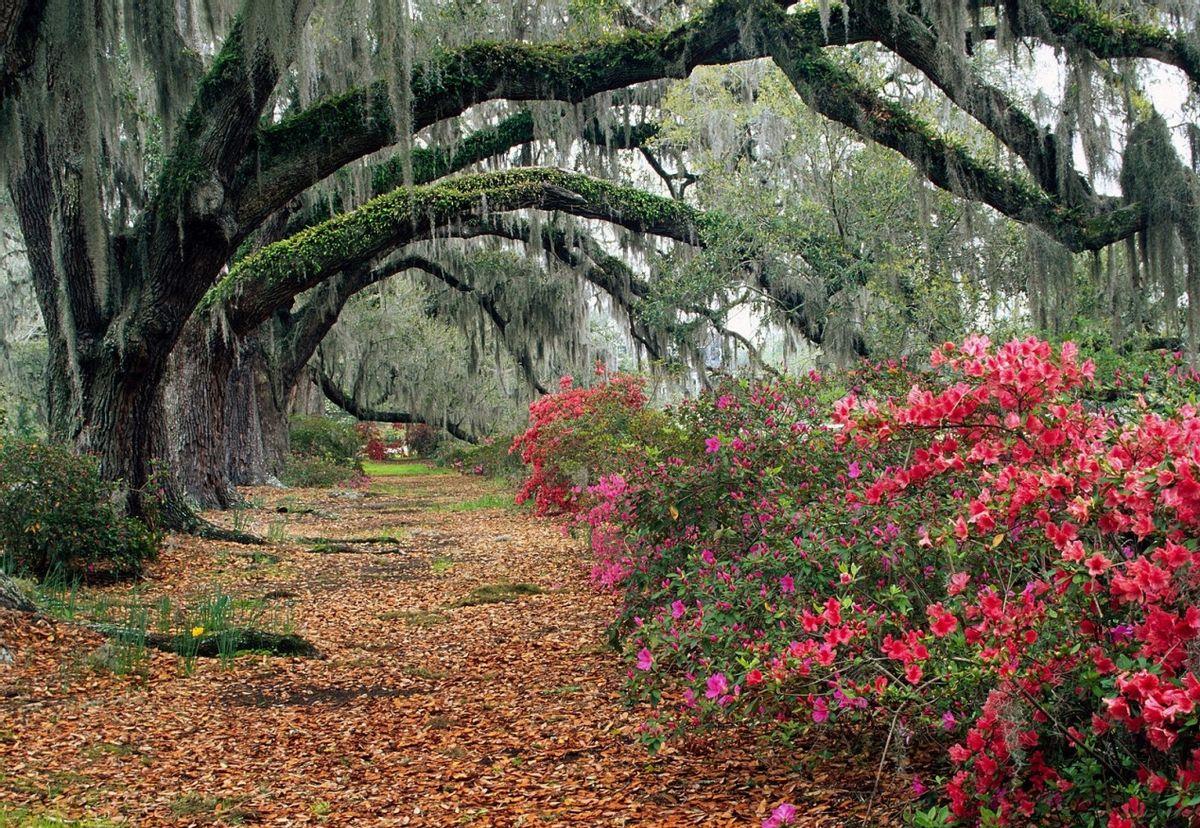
<point x="188" y="177"/>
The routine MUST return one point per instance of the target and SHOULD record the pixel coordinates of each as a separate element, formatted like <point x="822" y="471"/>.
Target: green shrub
<point x="57" y="516"/>
<point x="490" y="458"/>
<point x="325" y="452"/>
<point x="315" y="472"/>
<point x="335" y="440"/>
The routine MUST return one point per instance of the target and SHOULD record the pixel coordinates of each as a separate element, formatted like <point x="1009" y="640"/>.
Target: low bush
<point x="490" y="458"/>
<point x="334" y="439"/>
<point x="983" y="556"/>
<point x="57" y="516"/>
<point x="579" y="433"/>
<point x="422" y="440"/>
<point x="324" y="451"/>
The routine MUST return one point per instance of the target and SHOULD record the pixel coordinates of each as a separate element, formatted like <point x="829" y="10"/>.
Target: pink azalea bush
<point x="977" y="556"/>
<point x="580" y="432"/>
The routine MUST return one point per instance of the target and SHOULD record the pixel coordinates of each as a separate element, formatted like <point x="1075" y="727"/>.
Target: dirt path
<point x="422" y="711"/>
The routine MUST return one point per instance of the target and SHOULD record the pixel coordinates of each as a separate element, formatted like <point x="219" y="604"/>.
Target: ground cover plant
<point x="980" y="557"/>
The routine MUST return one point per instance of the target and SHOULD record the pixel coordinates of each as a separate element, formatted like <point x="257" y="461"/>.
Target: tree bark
<point x="11" y="597"/>
<point x="197" y="392"/>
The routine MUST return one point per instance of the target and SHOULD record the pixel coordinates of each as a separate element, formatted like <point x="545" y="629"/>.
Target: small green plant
<point x="498" y="593"/>
<point x="22" y="818"/>
<point x="223" y="809"/>
<point x="441" y="565"/>
<point x="57" y="517"/>
<point x="277" y="531"/>
<point x="212" y="621"/>
<point x="241" y="518"/>
<point x="124" y="653"/>
<point x="416" y="618"/>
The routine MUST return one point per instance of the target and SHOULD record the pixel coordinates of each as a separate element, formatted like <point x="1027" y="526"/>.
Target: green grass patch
<point x="22" y="818"/>
<point x="227" y="810"/>
<point x="498" y="594"/>
<point x="416" y="618"/>
<point x="492" y="500"/>
<point x="394" y="468"/>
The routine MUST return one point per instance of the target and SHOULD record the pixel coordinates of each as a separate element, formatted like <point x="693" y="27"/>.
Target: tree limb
<point x="270" y="277"/>
<point x="837" y="94"/>
<point x="347" y="403"/>
<point x="303" y="149"/>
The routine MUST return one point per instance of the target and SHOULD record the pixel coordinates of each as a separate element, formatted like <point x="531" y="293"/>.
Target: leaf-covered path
<point x="444" y="695"/>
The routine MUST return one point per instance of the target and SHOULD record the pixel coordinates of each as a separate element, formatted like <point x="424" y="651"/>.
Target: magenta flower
<point x="820" y="710"/>
<point x="645" y="659"/>
<point x="717" y="686"/>
<point x="854" y="470"/>
<point x="678" y="610"/>
<point x="787" y="584"/>
<point x="712" y="445"/>
<point x="784" y="814"/>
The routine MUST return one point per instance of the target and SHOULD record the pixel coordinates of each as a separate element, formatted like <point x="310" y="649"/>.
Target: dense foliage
<point x="324" y="451"/>
<point x="490" y="458"/>
<point x="581" y="430"/>
<point x="985" y="556"/>
<point x="57" y="517"/>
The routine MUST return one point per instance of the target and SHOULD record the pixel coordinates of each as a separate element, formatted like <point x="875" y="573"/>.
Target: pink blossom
<point x="678" y="609"/>
<point x="787" y="584"/>
<point x="820" y="712"/>
<point x="718" y="685"/>
<point x="784" y="814"/>
<point x="712" y="445"/>
<point x="645" y="659"/>
<point x="854" y="470"/>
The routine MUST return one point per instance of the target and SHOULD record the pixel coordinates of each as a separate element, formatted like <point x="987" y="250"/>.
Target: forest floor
<point x="463" y="679"/>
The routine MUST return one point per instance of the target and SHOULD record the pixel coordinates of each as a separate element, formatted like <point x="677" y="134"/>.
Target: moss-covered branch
<point x="431" y="163"/>
<point x="1083" y="24"/>
<point x="911" y="37"/>
<point x="835" y="93"/>
<point x="270" y="277"/>
<point x="303" y="149"/>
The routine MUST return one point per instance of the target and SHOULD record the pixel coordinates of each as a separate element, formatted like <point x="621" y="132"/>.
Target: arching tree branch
<point x="303" y="149"/>
<point x="306" y="329"/>
<point x="837" y="94"/>
<point x="351" y="406"/>
<point x="270" y="277"/>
